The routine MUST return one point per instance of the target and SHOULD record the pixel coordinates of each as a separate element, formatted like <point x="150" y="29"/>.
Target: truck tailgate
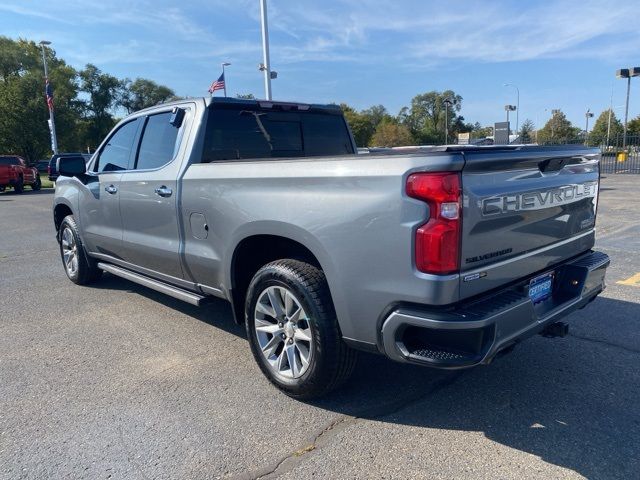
<point x="524" y="210"/>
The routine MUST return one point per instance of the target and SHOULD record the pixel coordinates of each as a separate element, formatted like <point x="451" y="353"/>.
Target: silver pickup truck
<point x="440" y="256"/>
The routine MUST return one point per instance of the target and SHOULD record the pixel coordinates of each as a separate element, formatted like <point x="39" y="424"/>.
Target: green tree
<point x="143" y="93"/>
<point x="376" y="115"/>
<point x="526" y="131"/>
<point x="17" y="57"/>
<point x="598" y="134"/>
<point x="479" y="131"/>
<point x="362" y="125"/>
<point x="633" y="126"/>
<point x="391" y="134"/>
<point x="558" y="129"/>
<point x="246" y="96"/>
<point x="84" y="102"/>
<point x="104" y="93"/>
<point x="23" y="108"/>
<point x="23" y="117"/>
<point x="425" y="118"/>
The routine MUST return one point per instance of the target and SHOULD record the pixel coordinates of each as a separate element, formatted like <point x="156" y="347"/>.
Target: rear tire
<point x="79" y="267"/>
<point x="18" y="187"/>
<point x="293" y="330"/>
<point x="37" y="185"/>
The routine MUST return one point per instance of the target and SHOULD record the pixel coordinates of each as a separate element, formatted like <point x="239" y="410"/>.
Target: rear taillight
<point x="437" y="242"/>
<point x="49" y="169"/>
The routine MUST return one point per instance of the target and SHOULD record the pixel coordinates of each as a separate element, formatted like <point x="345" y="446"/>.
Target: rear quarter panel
<point x="351" y="212"/>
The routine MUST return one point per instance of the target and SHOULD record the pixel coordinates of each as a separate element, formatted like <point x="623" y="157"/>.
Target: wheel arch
<point x="60" y="210"/>
<point x="256" y="250"/>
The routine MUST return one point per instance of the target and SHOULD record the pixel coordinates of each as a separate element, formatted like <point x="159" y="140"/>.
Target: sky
<point x="560" y="54"/>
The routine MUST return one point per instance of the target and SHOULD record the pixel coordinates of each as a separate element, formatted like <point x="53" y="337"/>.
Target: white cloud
<point x="473" y="31"/>
<point x="414" y="34"/>
<point x="163" y="33"/>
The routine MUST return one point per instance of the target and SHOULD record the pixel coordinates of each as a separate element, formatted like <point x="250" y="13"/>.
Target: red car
<point x="15" y="173"/>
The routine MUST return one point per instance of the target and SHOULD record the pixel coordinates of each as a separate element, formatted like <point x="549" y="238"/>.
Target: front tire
<point x="37" y="185"/>
<point x="293" y="330"/>
<point x="80" y="269"/>
<point x="18" y="187"/>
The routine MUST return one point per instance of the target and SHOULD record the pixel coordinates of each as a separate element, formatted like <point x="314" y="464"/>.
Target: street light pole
<point x="609" y="120"/>
<point x="510" y="108"/>
<point x="52" y="123"/>
<point x="626" y="116"/>
<point x="554" y="112"/>
<point x="517" y="105"/>
<point x="447" y="104"/>
<point x="588" y="115"/>
<point x="537" y="124"/>
<point x="266" y="66"/>
<point x="225" y="64"/>
<point x="627" y="73"/>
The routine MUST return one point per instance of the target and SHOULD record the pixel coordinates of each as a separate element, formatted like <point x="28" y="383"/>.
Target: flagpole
<point x="224" y="77"/>
<point x="52" y="122"/>
<point x="266" y="66"/>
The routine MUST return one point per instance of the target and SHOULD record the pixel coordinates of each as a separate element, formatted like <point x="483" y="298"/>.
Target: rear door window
<point x="159" y="142"/>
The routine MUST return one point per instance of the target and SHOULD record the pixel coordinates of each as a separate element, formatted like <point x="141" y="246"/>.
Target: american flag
<point x="218" y="84"/>
<point x="48" y="91"/>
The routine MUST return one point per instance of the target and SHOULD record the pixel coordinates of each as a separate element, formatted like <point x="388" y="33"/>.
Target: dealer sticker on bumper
<point x="540" y="288"/>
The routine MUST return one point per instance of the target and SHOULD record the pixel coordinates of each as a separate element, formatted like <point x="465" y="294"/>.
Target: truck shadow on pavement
<point x="573" y="402"/>
<point x="216" y="313"/>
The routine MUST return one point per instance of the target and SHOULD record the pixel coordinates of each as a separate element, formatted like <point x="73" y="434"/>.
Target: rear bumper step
<point x="175" y="292"/>
<point x="473" y="333"/>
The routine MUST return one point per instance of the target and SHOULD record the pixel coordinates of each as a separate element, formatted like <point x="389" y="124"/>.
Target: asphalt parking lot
<point x="118" y="381"/>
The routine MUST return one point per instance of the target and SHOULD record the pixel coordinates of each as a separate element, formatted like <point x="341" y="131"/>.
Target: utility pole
<point x="588" y="115"/>
<point x="627" y="73"/>
<point x="266" y="65"/>
<point x="554" y="113"/>
<point x="510" y="108"/>
<point x="626" y="116"/>
<point x="517" y="105"/>
<point x="537" y="123"/>
<point x="609" y="120"/>
<point x="224" y="77"/>
<point x="52" y="122"/>
<point x="447" y="103"/>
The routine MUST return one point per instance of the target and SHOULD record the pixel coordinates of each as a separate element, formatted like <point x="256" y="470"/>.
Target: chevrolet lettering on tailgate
<point x="538" y="200"/>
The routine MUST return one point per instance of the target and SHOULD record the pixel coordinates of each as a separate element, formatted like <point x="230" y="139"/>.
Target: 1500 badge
<point x="538" y="200"/>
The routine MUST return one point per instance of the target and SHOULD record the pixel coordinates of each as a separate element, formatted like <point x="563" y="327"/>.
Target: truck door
<point x="149" y="196"/>
<point x="99" y="197"/>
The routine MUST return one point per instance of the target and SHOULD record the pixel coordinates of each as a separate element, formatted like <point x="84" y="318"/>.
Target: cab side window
<point x="115" y="155"/>
<point x="159" y="142"/>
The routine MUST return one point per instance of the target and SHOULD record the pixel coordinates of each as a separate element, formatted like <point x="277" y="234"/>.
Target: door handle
<point x="164" y="191"/>
<point x="112" y="189"/>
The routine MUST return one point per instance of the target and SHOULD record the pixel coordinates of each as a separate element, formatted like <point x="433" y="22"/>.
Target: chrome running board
<point x="158" y="286"/>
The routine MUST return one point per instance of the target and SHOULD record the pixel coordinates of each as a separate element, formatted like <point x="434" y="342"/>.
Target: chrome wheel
<point x="283" y="332"/>
<point x="69" y="251"/>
